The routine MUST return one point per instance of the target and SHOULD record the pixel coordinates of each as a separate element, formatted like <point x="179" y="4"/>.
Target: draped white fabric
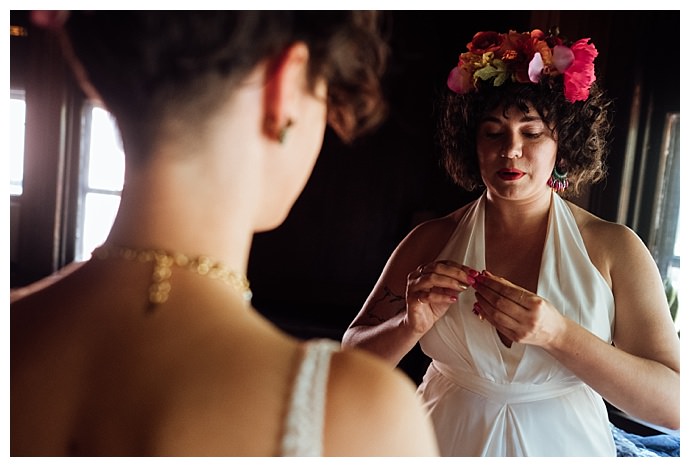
<point x="486" y="399"/>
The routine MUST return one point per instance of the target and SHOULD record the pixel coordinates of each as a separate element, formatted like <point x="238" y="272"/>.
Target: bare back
<point x="96" y="373"/>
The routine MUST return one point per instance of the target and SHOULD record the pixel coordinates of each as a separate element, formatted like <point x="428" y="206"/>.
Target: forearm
<point x="641" y="387"/>
<point x="390" y="340"/>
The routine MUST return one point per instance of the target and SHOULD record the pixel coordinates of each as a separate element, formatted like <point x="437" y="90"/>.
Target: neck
<point x="199" y="193"/>
<point x="179" y="208"/>
<point x="518" y="216"/>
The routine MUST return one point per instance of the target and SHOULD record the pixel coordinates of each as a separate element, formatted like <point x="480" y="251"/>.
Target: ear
<point x="286" y="81"/>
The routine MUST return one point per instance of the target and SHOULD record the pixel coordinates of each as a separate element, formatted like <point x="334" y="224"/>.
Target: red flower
<point x="485" y="41"/>
<point x="579" y="76"/>
<point x="517" y="52"/>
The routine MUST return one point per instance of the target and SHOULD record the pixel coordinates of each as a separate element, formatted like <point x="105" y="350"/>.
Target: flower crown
<point x="525" y="57"/>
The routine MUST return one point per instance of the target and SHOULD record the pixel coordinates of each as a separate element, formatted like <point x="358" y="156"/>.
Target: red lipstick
<point x="510" y="174"/>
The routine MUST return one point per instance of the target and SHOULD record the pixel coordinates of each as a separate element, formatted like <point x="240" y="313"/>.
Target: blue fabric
<point x="632" y="445"/>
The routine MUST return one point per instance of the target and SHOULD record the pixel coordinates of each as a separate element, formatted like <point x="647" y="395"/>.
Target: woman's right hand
<point x="431" y="289"/>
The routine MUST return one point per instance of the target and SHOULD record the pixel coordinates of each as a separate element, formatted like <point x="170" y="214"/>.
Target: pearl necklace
<point x="163" y="262"/>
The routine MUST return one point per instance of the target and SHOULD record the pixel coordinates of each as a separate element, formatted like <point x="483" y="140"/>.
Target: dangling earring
<point x="558" y="181"/>
<point x="282" y="133"/>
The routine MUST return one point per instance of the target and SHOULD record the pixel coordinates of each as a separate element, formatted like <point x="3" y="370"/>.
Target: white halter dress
<point x="486" y="399"/>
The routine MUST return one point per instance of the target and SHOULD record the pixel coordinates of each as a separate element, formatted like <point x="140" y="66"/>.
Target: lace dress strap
<point x="304" y="423"/>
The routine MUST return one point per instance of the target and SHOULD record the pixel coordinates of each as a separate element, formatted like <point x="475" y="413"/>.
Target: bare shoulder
<point x="426" y="239"/>
<point x="593" y="225"/>
<point x="441" y="226"/>
<point x="373" y="410"/>
<point x="608" y="243"/>
<point x="25" y="291"/>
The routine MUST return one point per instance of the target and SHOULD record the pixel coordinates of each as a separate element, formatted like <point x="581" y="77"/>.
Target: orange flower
<point x="546" y="55"/>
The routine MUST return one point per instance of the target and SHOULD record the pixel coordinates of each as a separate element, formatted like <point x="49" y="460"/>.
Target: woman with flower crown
<point x="532" y="310"/>
<point x="152" y="347"/>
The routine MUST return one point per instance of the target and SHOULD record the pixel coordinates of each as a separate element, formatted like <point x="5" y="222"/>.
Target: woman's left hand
<point x="517" y="313"/>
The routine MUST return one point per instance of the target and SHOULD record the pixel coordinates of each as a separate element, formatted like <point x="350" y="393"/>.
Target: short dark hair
<point x="582" y="128"/>
<point x="148" y="66"/>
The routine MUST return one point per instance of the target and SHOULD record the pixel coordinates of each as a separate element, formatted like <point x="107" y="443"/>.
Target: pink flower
<point x="562" y="57"/>
<point x="579" y="76"/>
<point x="460" y="79"/>
<point x="536" y="66"/>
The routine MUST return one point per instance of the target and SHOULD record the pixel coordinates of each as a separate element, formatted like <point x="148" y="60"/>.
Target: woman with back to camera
<point x="152" y="347"/>
<point x="518" y="296"/>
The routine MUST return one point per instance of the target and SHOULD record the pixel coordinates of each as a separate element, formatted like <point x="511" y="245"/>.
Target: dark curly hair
<point x="150" y="66"/>
<point x="582" y="128"/>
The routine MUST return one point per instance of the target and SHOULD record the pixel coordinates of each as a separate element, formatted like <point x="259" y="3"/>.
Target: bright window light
<point x="101" y="183"/>
<point x="17" y="124"/>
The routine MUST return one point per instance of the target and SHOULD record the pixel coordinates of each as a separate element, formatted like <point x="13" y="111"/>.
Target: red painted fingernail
<point x="473" y="273"/>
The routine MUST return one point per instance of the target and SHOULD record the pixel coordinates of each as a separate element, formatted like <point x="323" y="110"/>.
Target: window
<point x="674" y="270"/>
<point x="666" y="234"/>
<point x="101" y="180"/>
<point x="17" y="130"/>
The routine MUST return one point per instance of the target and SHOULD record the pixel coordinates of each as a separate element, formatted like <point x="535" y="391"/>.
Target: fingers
<point x="505" y="320"/>
<point x="444" y="274"/>
<point x="439" y="282"/>
<point x="436" y="295"/>
<point x="511" y="309"/>
<point x="499" y="301"/>
<point x="496" y="289"/>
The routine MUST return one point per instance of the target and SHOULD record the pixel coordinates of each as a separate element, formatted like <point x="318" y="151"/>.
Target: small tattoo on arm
<point x="389" y="297"/>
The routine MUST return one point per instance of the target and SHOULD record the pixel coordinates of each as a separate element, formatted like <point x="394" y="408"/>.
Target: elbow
<point x="672" y="419"/>
<point x="675" y="426"/>
<point x="668" y="416"/>
<point x="672" y="422"/>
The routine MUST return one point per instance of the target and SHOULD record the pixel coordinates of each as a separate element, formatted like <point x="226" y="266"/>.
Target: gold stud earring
<point x="283" y="131"/>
